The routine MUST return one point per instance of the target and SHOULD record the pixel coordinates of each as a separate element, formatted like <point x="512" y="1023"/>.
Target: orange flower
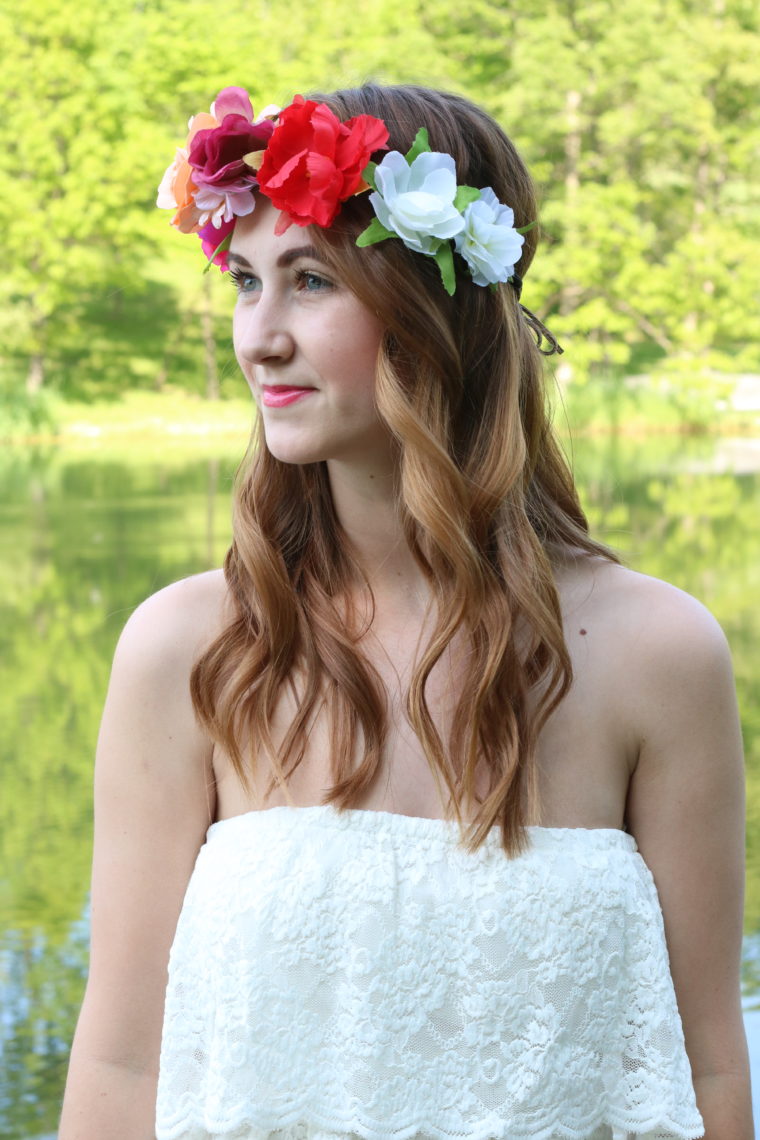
<point x="177" y="190"/>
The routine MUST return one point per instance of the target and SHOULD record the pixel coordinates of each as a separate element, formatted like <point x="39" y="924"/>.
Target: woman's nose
<point x="262" y="334"/>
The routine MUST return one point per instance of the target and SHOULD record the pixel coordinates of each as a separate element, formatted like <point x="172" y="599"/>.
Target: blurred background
<point x="123" y="416"/>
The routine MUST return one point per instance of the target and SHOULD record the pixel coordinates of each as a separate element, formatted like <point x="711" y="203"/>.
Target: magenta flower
<point x="212" y="237"/>
<point x="217" y="158"/>
<point x="223" y="182"/>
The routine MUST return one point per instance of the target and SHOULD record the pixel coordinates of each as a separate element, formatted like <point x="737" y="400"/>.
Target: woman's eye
<point x="243" y="282"/>
<point x="312" y="282"/>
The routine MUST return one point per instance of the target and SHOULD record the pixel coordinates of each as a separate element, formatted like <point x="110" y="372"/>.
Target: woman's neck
<point x="366" y="507"/>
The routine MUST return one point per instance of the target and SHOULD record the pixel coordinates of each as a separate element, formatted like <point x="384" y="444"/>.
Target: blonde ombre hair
<point x="486" y="501"/>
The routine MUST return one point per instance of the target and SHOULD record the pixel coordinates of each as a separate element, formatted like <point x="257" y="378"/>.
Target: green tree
<point x="78" y="151"/>
<point x="643" y="130"/>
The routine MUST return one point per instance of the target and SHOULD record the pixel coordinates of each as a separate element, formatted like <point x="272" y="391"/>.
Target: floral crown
<point x="308" y="162"/>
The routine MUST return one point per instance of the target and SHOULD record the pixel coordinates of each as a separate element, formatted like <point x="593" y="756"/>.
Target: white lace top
<point x="361" y="975"/>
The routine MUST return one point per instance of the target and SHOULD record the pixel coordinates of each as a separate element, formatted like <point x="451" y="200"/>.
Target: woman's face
<point x="307" y="347"/>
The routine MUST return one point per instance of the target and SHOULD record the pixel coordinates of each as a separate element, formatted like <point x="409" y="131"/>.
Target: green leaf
<point x="223" y="244"/>
<point x="368" y="174"/>
<point x="465" y="195"/>
<point x="374" y="233"/>
<point x="445" y="257"/>
<point x="524" y="229"/>
<point x="421" y="145"/>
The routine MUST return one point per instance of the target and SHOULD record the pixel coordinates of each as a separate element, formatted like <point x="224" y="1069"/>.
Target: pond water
<point x="86" y="536"/>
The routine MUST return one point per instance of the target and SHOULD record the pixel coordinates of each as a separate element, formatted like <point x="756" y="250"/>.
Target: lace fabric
<point x="360" y="976"/>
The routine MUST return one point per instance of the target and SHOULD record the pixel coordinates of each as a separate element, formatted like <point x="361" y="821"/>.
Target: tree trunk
<point x="209" y="342"/>
<point x="213" y="483"/>
<point x="35" y="376"/>
<point x="570" y="290"/>
<point x="703" y="199"/>
<point x="701" y="193"/>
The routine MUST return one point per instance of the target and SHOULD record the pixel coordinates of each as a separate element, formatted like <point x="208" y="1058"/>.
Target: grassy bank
<point x="593" y="408"/>
<point x="639" y="405"/>
<point x="156" y="417"/>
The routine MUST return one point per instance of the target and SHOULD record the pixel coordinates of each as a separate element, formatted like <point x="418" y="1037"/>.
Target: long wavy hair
<point x="485" y="497"/>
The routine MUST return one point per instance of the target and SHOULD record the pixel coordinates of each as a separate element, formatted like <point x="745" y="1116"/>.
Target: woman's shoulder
<point x="647" y="632"/>
<point x="152" y="750"/>
<point x="171" y="628"/>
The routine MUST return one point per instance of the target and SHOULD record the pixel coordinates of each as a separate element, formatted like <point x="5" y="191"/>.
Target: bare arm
<point x="153" y="802"/>
<point x="686" y="810"/>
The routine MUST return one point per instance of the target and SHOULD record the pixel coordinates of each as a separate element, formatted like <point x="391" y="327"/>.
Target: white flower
<point x="271" y="111"/>
<point x="489" y="243"/>
<point x="417" y="201"/>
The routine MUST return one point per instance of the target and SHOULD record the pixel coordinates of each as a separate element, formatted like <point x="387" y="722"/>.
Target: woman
<point x="438" y="732"/>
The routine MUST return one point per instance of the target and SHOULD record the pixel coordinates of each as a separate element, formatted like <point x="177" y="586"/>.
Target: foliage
<point x="643" y="157"/>
<point x="644" y="142"/>
<point x="24" y="415"/>
<point x="78" y="157"/>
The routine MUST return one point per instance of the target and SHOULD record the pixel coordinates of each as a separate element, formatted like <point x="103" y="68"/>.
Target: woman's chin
<point x="297" y="453"/>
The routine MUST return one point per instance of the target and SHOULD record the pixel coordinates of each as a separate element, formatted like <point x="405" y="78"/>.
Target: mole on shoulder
<point x="582" y="632"/>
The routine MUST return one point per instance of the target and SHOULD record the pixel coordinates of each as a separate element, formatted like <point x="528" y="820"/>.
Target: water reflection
<point x="86" y="537"/>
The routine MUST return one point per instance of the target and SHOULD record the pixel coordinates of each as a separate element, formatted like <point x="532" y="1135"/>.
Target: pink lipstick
<point x="279" y="397"/>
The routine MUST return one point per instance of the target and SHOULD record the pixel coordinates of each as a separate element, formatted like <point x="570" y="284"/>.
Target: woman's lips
<point x="280" y="396"/>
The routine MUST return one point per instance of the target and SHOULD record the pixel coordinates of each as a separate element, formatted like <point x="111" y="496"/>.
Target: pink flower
<point x="232" y="101"/>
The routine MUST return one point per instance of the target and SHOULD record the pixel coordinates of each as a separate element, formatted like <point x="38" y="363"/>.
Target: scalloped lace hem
<point x="655" y="1127"/>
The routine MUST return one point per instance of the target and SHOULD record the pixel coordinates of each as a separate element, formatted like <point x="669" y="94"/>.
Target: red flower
<point x="314" y="162"/>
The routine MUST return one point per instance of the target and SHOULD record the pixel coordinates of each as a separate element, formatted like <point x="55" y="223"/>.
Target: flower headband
<point x="308" y="163"/>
